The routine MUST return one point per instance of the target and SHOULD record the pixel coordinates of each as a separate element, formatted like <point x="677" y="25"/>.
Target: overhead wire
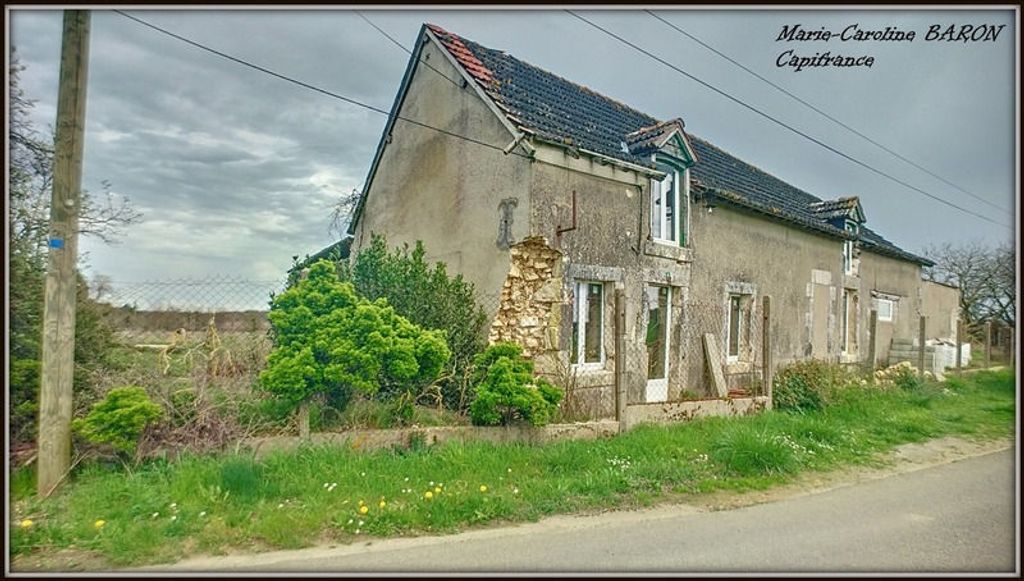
<point x="378" y="110"/>
<point x="314" y="87"/>
<point x="823" y="113"/>
<point x="408" y="50"/>
<point x="782" y="123"/>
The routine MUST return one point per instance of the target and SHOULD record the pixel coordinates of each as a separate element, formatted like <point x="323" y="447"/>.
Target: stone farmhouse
<point x="557" y="200"/>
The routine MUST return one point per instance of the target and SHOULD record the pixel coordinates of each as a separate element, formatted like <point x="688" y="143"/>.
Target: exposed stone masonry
<point x="530" y="311"/>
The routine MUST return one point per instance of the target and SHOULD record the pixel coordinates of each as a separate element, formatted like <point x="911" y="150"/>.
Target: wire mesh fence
<point x="696" y="350"/>
<point x="171" y="311"/>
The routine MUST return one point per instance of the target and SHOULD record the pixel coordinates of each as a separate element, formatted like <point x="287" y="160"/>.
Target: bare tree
<point x="985" y="275"/>
<point x="31" y="179"/>
<point x="341" y="213"/>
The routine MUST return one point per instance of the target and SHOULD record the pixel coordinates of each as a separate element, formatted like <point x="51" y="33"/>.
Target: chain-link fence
<point x="695" y="350"/>
<point x="170" y="311"/>
<point x="992" y="343"/>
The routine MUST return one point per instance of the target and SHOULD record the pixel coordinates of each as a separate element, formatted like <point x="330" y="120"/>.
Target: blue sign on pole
<point x="56" y="243"/>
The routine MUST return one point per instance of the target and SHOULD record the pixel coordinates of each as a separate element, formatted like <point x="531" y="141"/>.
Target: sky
<point x="235" y="171"/>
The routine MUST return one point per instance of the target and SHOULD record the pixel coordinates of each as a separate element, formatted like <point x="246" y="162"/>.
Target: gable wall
<point x="941" y="306"/>
<point x="446" y="191"/>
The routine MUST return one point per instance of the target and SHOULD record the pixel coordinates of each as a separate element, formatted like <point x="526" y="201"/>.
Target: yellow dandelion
<point x="26" y="523"/>
<point x="483" y="488"/>
<point x="437" y="489"/>
<point x="364" y="509"/>
<point x="99" y="523"/>
<point x="428" y="494"/>
<point x="382" y="504"/>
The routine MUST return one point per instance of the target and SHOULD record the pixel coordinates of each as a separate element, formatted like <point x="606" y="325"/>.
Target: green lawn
<point x="162" y="512"/>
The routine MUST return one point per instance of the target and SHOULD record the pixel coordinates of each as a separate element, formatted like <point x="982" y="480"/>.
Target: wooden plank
<point x="714" y="360"/>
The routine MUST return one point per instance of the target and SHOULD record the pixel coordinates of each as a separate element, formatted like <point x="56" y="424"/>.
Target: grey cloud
<point x="236" y="170"/>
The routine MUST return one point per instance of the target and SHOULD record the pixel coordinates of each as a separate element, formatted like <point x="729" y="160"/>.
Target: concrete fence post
<point x="959" y="345"/>
<point x="920" y="347"/>
<point x="869" y="362"/>
<point x="988" y="343"/>
<point x="767" y="375"/>
<point x="620" y="358"/>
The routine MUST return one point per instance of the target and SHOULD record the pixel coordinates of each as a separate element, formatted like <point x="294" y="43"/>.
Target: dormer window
<point x="848" y="248"/>
<point x="667" y="146"/>
<point x="665" y="207"/>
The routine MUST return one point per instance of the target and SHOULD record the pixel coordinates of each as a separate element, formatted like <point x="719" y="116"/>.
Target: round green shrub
<point x="328" y="340"/>
<point x="119" y="419"/>
<point x="507" y="391"/>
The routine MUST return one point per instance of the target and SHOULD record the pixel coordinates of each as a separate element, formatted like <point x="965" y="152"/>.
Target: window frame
<point x="848" y="247"/>
<point x="892" y="309"/>
<point x="581" y="293"/>
<point x="662" y="217"/>
<point x="729" y="357"/>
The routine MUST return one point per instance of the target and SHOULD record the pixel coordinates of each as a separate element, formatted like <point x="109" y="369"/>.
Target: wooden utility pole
<point x="58" y="351"/>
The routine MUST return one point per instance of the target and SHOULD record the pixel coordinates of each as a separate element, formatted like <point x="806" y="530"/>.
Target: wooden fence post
<point x="920" y="347"/>
<point x="988" y="343"/>
<point x="959" y="344"/>
<point x="872" y="341"/>
<point x="1011" y="353"/>
<point x="767" y="375"/>
<point x="620" y="358"/>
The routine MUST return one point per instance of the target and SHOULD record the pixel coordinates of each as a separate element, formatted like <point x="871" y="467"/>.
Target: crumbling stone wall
<point x="530" y="311"/>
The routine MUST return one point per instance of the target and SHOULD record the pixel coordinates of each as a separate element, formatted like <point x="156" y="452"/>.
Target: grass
<point x="162" y="511"/>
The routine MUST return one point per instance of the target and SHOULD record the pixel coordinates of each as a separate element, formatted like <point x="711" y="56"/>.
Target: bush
<point x="328" y="340"/>
<point x="804" y="386"/>
<point x="506" y="390"/>
<point x="119" y="419"/>
<point x="428" y="297"/>
<point x="93" y="340"/>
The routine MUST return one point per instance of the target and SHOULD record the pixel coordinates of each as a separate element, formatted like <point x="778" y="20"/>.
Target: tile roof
<point x="556" y="110"/>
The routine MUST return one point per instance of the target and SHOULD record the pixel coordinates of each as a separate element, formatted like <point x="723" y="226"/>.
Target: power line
<point x="402" y="46"/>
<point x="823" y="113"/>
<point x="781" y="123"/>
<point x="305" y="85"/>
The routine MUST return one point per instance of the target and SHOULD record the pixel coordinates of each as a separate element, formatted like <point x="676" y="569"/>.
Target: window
<point x="849" y="339"/>
<point x="588" y="324"/>
<point x="665" y="208"/>
<point x="735" y="328"/>
<point x="886" y="309"/>
<point x="848" y="246"/>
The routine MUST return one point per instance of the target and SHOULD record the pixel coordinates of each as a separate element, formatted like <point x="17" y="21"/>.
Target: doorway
<point x="659" y="320"/>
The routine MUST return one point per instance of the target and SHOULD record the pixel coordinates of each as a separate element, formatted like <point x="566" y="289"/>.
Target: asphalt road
<point x="957" y="517"/>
